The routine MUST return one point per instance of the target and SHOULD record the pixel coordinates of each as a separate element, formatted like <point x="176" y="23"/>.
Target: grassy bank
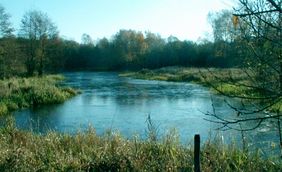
<point x="26" y="151"/>
<point x="231" y="82"/>
<point x="216" y="79"/>
<point x="16" y="93"/>
<point x="183" y="74"/>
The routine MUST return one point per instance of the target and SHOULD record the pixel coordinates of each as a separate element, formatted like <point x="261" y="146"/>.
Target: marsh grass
<point x="16" y="93"/>
<point x="184" y="74"/>
<point x="230" y="82"/>
<point x="86" y="151"/>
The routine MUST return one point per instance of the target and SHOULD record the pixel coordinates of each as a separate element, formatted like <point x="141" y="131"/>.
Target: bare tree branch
<point x="255" y="13"/>
<point x="278" y="8"/>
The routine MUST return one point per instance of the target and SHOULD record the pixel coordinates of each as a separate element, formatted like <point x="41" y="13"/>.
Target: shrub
<point x="25" y="92"/>
<point x="3" y="108"/>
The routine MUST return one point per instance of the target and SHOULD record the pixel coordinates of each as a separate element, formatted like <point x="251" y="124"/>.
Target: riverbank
<point x="25" y="151"/>
<point x="230" y="82"/>
<point x="17" y="93"/>
<point x="203" y="76"/>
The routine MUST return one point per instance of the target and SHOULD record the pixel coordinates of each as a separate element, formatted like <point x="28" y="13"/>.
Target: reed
<point x="86" y="151"/>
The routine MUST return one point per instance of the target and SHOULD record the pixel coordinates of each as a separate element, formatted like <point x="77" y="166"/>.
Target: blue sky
<point x="185" y="19"/>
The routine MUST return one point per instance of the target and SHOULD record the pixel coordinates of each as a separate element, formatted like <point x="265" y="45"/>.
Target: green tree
<point x="86" y="39"/>
<point x="226" y="38"/>
<point x="154" y="51"/>
<point x="38" y="29"/>
<point x="71" y="54"/>
<point x="8" y="46"/>
<point x="6" y="29"/>
<point x="129" y="46"/>
<point x="105" y="55"/>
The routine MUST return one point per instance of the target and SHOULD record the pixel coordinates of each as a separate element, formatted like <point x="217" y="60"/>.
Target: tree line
<point x="133" y="50"/>
<point x="37" y="48"/>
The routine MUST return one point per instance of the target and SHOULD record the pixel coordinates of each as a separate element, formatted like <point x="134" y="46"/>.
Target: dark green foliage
<point x="132" y="50"/>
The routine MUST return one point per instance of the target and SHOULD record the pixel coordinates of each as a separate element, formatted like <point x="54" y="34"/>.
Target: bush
<point x="34" y="91"/>
<point x="3" y="109"/>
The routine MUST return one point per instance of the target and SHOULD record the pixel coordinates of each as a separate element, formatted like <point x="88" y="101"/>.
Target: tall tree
<point x="225" y="37"/>
<point x="155" y="46"/>
<point x="6" y="28"/>
<point x="129" y="45"/>
<point x="38" y="29"/>
<point x="86" y="39"/>
<point x="7" y="43"/>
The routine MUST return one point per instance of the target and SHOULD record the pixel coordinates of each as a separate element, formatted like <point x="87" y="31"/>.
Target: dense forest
<point x="37" y="47"/>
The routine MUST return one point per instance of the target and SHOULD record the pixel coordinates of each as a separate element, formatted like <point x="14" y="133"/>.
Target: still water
<point x="110" y="102"/>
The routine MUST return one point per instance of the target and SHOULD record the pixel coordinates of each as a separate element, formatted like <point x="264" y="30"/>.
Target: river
<point x="109" y="102"/>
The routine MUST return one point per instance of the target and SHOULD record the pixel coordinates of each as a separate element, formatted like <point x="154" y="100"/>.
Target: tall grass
<point x="26" y="151"/>
<point x="218" y="80"/>
<point x="18" y="93"/>
<point x="184" y="74"/>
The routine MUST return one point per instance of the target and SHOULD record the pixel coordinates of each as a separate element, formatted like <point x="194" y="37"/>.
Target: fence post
<point x="197" y="153"/>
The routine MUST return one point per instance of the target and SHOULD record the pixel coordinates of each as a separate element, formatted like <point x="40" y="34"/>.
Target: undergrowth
<point x="26" y="151"/>
<point x="16" y="93"/>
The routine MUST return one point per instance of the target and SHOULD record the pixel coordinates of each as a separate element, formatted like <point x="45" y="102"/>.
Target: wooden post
<point x="197" y="153"/>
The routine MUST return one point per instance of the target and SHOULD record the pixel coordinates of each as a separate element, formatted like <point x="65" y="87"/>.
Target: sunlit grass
<point x="18" y="93"/>
<point x="187" y="74"/>
<point x="230" y="82"/>
<point x="26" y="151"/>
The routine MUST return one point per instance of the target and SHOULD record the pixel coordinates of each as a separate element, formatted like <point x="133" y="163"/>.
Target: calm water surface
<point x="110" y="102"/>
